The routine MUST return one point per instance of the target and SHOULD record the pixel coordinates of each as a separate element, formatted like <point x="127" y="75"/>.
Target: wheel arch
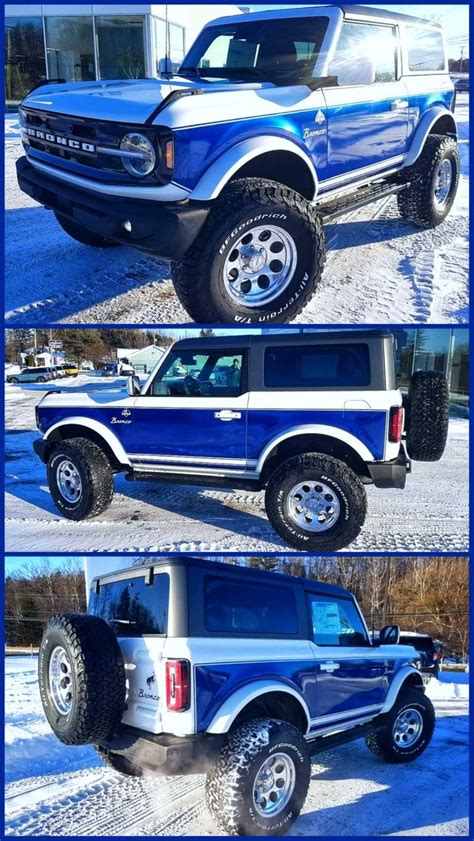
<point x="77" y="427"/>
<point x="266" y="157"/>
<point x="261" y="698"/>
<point x="437" y="120"/>
<point x="408" y="676"/>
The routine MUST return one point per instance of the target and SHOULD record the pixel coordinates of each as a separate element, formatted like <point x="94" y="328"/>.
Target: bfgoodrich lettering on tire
<point x="80" y="479"/>
<point x="316" y="502"/>
<point x="406" y="730"/>
<point x="257" y="260"/>
<point x="260" y="780"/>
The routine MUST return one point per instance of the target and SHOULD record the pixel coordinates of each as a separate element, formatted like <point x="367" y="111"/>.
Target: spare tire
<point x="81" y="678"/>
<point x="427" y="416"/>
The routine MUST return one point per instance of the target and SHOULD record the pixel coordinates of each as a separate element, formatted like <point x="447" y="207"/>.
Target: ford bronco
<point x="275" y="123"/>
<point x="311" y="418"/>
<point x="185" y="666"/>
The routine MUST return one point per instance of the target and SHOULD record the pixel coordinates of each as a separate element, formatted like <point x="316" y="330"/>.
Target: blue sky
<point x="15" y="563"/>
<point x="454" y="19"/>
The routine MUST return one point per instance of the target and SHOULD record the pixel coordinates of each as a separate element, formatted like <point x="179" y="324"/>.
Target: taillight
<point x="177" y="685"/>
<point x="395" y="428"/>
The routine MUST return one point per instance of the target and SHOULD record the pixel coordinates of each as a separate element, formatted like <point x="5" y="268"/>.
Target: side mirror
<point x="165" y="68"/>
<point x="389" y="635"/>
<point x="133" y="386"/>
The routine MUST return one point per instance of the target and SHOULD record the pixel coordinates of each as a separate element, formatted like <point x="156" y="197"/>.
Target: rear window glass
<point x="420" y="643"/>
<point x="425" y="49"/>
<point x="132" y="607"/>
<point x="232" y="606"/>
<point x="317" y="366"/>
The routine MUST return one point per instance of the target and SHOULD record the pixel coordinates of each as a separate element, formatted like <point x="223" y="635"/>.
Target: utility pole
<point x="461" y="59"/>
<point x="386" y="594"/>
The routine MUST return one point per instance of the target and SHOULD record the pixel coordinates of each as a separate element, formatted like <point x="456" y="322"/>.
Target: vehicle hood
<point x="124" y="101"/>
<point x="69" y="398"/>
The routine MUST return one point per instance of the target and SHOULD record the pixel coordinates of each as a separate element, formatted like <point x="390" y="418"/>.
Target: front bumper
<point x="390" y="474"/>
<point x="164" y="753"/>
<point x="166" y="230"/>
<point x="41" y="447"/>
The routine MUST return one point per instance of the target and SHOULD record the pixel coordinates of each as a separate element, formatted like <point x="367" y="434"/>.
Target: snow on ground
<point x="431" y="514"/>
<point x="56" y="790"/>
<point x="380" y="269"/>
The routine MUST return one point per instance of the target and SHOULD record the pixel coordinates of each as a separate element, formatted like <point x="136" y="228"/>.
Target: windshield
<point x="283" y="52"/>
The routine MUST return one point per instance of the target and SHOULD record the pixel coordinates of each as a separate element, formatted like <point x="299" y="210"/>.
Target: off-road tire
<point x="346" y="485"/>
<point x="119" y="763"/>
<point x="381" y="742"/>
<point x="98" y="678"/>
<point x="198" y="278"/>
<point x="95" y="471"/>
<point x="427" y="416"/>
<point x="229" y="784"/>
<point x="83" y="235"/>
<point x="416" y="202"/>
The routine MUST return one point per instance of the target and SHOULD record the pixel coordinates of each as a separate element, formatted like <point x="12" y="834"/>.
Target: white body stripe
<point x="100" y="428"/>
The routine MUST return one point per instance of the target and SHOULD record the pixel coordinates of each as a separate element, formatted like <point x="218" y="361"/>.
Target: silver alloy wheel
<point x="60" y="680"/>
<point x="260" y="265"/>
<point x="407" y="728"/>
<point x="313" y="506"/>
<point x="444" y="179"/>
<point x="69" y="481"/>
<point x="274" y="784"/>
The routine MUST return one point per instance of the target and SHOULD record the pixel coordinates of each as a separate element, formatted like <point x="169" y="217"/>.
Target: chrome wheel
<point x="313" y="506"/>
<point x="407" y="728"/>
<point x="60" y="680"/>
<point x="444" y="179"/>
<point x="274" y="784"/>
<point x="260" y="265"/>
<point x="69" y="481"/>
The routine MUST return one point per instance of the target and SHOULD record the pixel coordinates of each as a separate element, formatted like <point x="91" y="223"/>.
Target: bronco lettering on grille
<point x="59" y="140"/>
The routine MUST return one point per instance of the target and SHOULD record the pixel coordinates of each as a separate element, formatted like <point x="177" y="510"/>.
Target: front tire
<point x="260" y="780"/>
<point x="80" y="479"/>
<point x="258" y="259"/>
<point x="83" y="235"/>
<point x="434" y="180"/>
<point x="316" y="503"/>
<point x="407" y="730"/>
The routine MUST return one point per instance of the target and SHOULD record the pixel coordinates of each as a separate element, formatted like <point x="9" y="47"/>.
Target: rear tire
<point x="14" y="380"/>
<point x="232" y="787"/>
<point x="341" y="490"/>
<point x="418" y="203"/>
<point x="203" y="278"/>
<point x="83" y="235"/>
<point x="80" y="657"/>
<point x="41" y="380"/>
<point x="427" y="416"/>
<point x="80" y="479"/>
<point x="388" y="742"/>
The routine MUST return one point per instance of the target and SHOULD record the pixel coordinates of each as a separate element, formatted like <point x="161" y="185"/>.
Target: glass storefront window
<point x="176" y="42"/>
<point x="459" y="375"/>
<point x="159" y="34"/>
<point x="432" y="350"/>
<point x="404" y="356"/>
<point x="70" y="48"/>
<point x="24" y="57"/>
<point x="121" y="46"/>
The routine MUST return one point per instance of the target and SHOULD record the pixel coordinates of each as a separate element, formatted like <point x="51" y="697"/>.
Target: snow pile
<point x="450" y="686"/>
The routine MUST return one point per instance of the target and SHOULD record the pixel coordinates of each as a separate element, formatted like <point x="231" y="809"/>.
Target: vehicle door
<point x="194" y="413"/>
<point x="351" y="674"/>
<point x="367" y="111"/>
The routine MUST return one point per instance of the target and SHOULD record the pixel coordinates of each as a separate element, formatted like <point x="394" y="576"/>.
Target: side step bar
<point x="332" y="741"/>
<point x="329" y="210"/>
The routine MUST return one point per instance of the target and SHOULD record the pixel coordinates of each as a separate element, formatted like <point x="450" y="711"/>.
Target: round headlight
<point x="138" y="155"/>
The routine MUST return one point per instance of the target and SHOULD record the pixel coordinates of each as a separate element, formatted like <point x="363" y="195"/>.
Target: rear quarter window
<point x="317" y="366"/>
<point x="425" y="50"/>
<point x="235" y="607"/>
<point x="131" y="607"/>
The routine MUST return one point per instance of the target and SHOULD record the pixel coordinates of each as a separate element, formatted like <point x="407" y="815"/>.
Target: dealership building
<point x="85" y="43"/>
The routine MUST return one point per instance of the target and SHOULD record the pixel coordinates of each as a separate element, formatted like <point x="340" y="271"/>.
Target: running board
<point x="342" y="738"/>
<point x="329" y="210"/>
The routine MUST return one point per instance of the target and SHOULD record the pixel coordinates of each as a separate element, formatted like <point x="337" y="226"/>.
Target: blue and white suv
<point x="185" y="665"/>
<point x="276" y="122"/>
<point x="310" y="418"/>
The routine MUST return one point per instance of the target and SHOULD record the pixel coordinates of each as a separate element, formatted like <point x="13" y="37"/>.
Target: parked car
<point x="71" y="369"/>
<point x="276" y="123"/>
<point x="186" y="666"/>
<point x="429" y="655"/>
<point x="462" y="85"/>
<point x="310" y="418"/>
<point x="31" y="375"/>
<point x="59" y="371"/>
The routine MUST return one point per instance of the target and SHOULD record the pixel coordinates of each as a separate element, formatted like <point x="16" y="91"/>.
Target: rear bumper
<point x="166" y="230"/>
<point x="166" y="754"/>
<point x="390" y="474"/>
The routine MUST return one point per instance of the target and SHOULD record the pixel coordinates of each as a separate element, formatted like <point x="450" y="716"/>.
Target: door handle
<point x="329" y="666"/>
<point x="227" y="415"/>
<point x="399" y="104"/>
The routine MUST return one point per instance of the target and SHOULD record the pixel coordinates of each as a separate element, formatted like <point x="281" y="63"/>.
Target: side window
<point x="232" y="606"/>
<point x="317" y="366"/>
<point x="425" y="50"/>
<point x="365" y="54"/>
<point x="192" y="374"/>
<point x="336" y="622"/>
